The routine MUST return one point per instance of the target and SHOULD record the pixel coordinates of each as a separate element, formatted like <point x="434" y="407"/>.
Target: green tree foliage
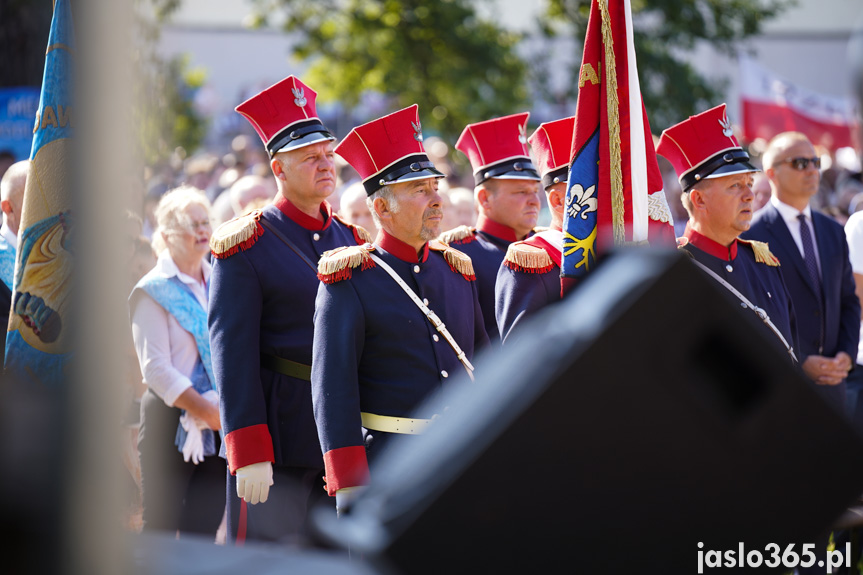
<point x="664" y="31"/>
<point x="165" y="117"/>
<point x="440" y="55"/>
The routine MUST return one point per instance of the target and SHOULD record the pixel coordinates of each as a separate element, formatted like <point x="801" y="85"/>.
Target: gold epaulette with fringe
<point x="338" y="264"/>
<point x="361" y="234"/>
<point x="236" y="235"/>
<point x="528" y="259"/>
<point x="458" y="262"/>
<point x="459" y="235"/>
<point x="762" y="252"/>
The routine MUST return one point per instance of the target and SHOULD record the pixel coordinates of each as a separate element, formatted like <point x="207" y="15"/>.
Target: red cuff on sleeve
<point x="249" y="445"/>
<point x="346" y="467"/>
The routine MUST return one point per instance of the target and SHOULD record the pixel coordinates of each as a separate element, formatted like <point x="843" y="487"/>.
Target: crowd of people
<point x="280" y="293"/>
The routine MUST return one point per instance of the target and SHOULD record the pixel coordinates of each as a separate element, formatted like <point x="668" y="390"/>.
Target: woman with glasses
<point x="182" y="475"/>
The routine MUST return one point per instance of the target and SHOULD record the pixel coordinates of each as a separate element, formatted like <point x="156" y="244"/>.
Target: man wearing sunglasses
<point x="815" y="264"/>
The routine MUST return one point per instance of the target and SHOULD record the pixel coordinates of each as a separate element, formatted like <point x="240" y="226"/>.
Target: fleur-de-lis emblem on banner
<point x="582" y="201"/>
<point x="726" y="127"/>
<point x="418" y="131"/>
<point x="299" y="97"/>
<point x="522" y="135"/>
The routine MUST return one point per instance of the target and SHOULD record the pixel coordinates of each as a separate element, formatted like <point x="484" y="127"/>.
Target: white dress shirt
<point x="166" y="352"/>
<point x="789" y="214"/>
<point x="854" y="235"/>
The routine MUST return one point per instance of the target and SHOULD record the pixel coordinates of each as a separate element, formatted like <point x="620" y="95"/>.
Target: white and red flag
<point x="772" y="104"/>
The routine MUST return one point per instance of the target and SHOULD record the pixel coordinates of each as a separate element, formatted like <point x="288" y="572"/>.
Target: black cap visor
<point x="723" y="164"/>
<point x="518" y="169"/>
<point x="299" y="136"/>
<point x="555" y="177"/>
<point x="416" y="167"/>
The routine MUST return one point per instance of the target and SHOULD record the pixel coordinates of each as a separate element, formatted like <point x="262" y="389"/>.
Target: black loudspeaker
<point x="163" y="554"/>
<point x="641" y="423"/>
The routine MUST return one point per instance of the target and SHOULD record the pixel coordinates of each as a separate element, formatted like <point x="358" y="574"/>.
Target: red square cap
<point x="284" y="116"/>
<point x="704" y="147"/>
<point x="550" y="144"/>
<point x="388" y="150"/>
<point x="497" y="148"/>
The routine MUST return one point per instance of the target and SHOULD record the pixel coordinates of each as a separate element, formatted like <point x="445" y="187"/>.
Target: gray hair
<point x="389" y="196"/>
<point x="171" y="213"/>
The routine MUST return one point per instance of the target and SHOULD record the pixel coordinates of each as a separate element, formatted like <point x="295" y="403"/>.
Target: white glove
<point x="347" y="495"/>
<point x="253" y="482"/>
<point x="193" y="448"/>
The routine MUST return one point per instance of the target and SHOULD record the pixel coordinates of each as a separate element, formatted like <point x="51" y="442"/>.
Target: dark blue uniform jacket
<point x="761" y="283"/>
<point x="375" y="352"/>
<point x="262" y="302"/>
<point x="486" y="245"/>
<point x="527" y="281"/>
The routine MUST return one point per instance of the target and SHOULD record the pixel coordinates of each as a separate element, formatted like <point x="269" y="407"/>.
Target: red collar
<point x="709" y="246"/>
<point x="400" y="249"/>
<point x="491" y="227"/>
<point x="303" y="219"/>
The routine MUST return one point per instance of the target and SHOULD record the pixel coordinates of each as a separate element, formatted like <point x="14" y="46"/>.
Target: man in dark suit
<point x="813" y="252"/>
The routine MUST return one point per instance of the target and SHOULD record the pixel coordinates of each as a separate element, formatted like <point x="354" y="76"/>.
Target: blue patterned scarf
<point x="178" y="300"/>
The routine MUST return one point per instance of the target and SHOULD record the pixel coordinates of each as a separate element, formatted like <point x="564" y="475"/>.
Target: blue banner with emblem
<point x="580" y="217"/>
<point x="38" y="342"/>
<point x="614" y="196"/>
<point x="17" y="108"/>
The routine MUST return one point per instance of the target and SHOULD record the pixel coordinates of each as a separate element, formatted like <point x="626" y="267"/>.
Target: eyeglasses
<point x="201" y="224"/>
<point x="801" y="164"/>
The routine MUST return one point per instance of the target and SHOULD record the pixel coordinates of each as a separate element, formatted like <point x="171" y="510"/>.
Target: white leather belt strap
<point x="430" y="315"/>
<point x="762" y="315"/>
<point x="391" y="424"/>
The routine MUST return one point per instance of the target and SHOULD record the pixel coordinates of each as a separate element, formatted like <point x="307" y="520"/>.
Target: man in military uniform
<point x="529" y="277"/>
<point x="716" y="178"/>
<point x="507" y="194"/>
<point x="262" y="294"/>
<point x="379" y="349"/>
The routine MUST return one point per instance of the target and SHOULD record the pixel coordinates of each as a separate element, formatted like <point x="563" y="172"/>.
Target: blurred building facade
<point x="806" y="44"/>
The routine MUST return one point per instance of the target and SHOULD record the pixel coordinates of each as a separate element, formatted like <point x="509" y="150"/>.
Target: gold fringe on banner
<point x="617" y="203"/>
